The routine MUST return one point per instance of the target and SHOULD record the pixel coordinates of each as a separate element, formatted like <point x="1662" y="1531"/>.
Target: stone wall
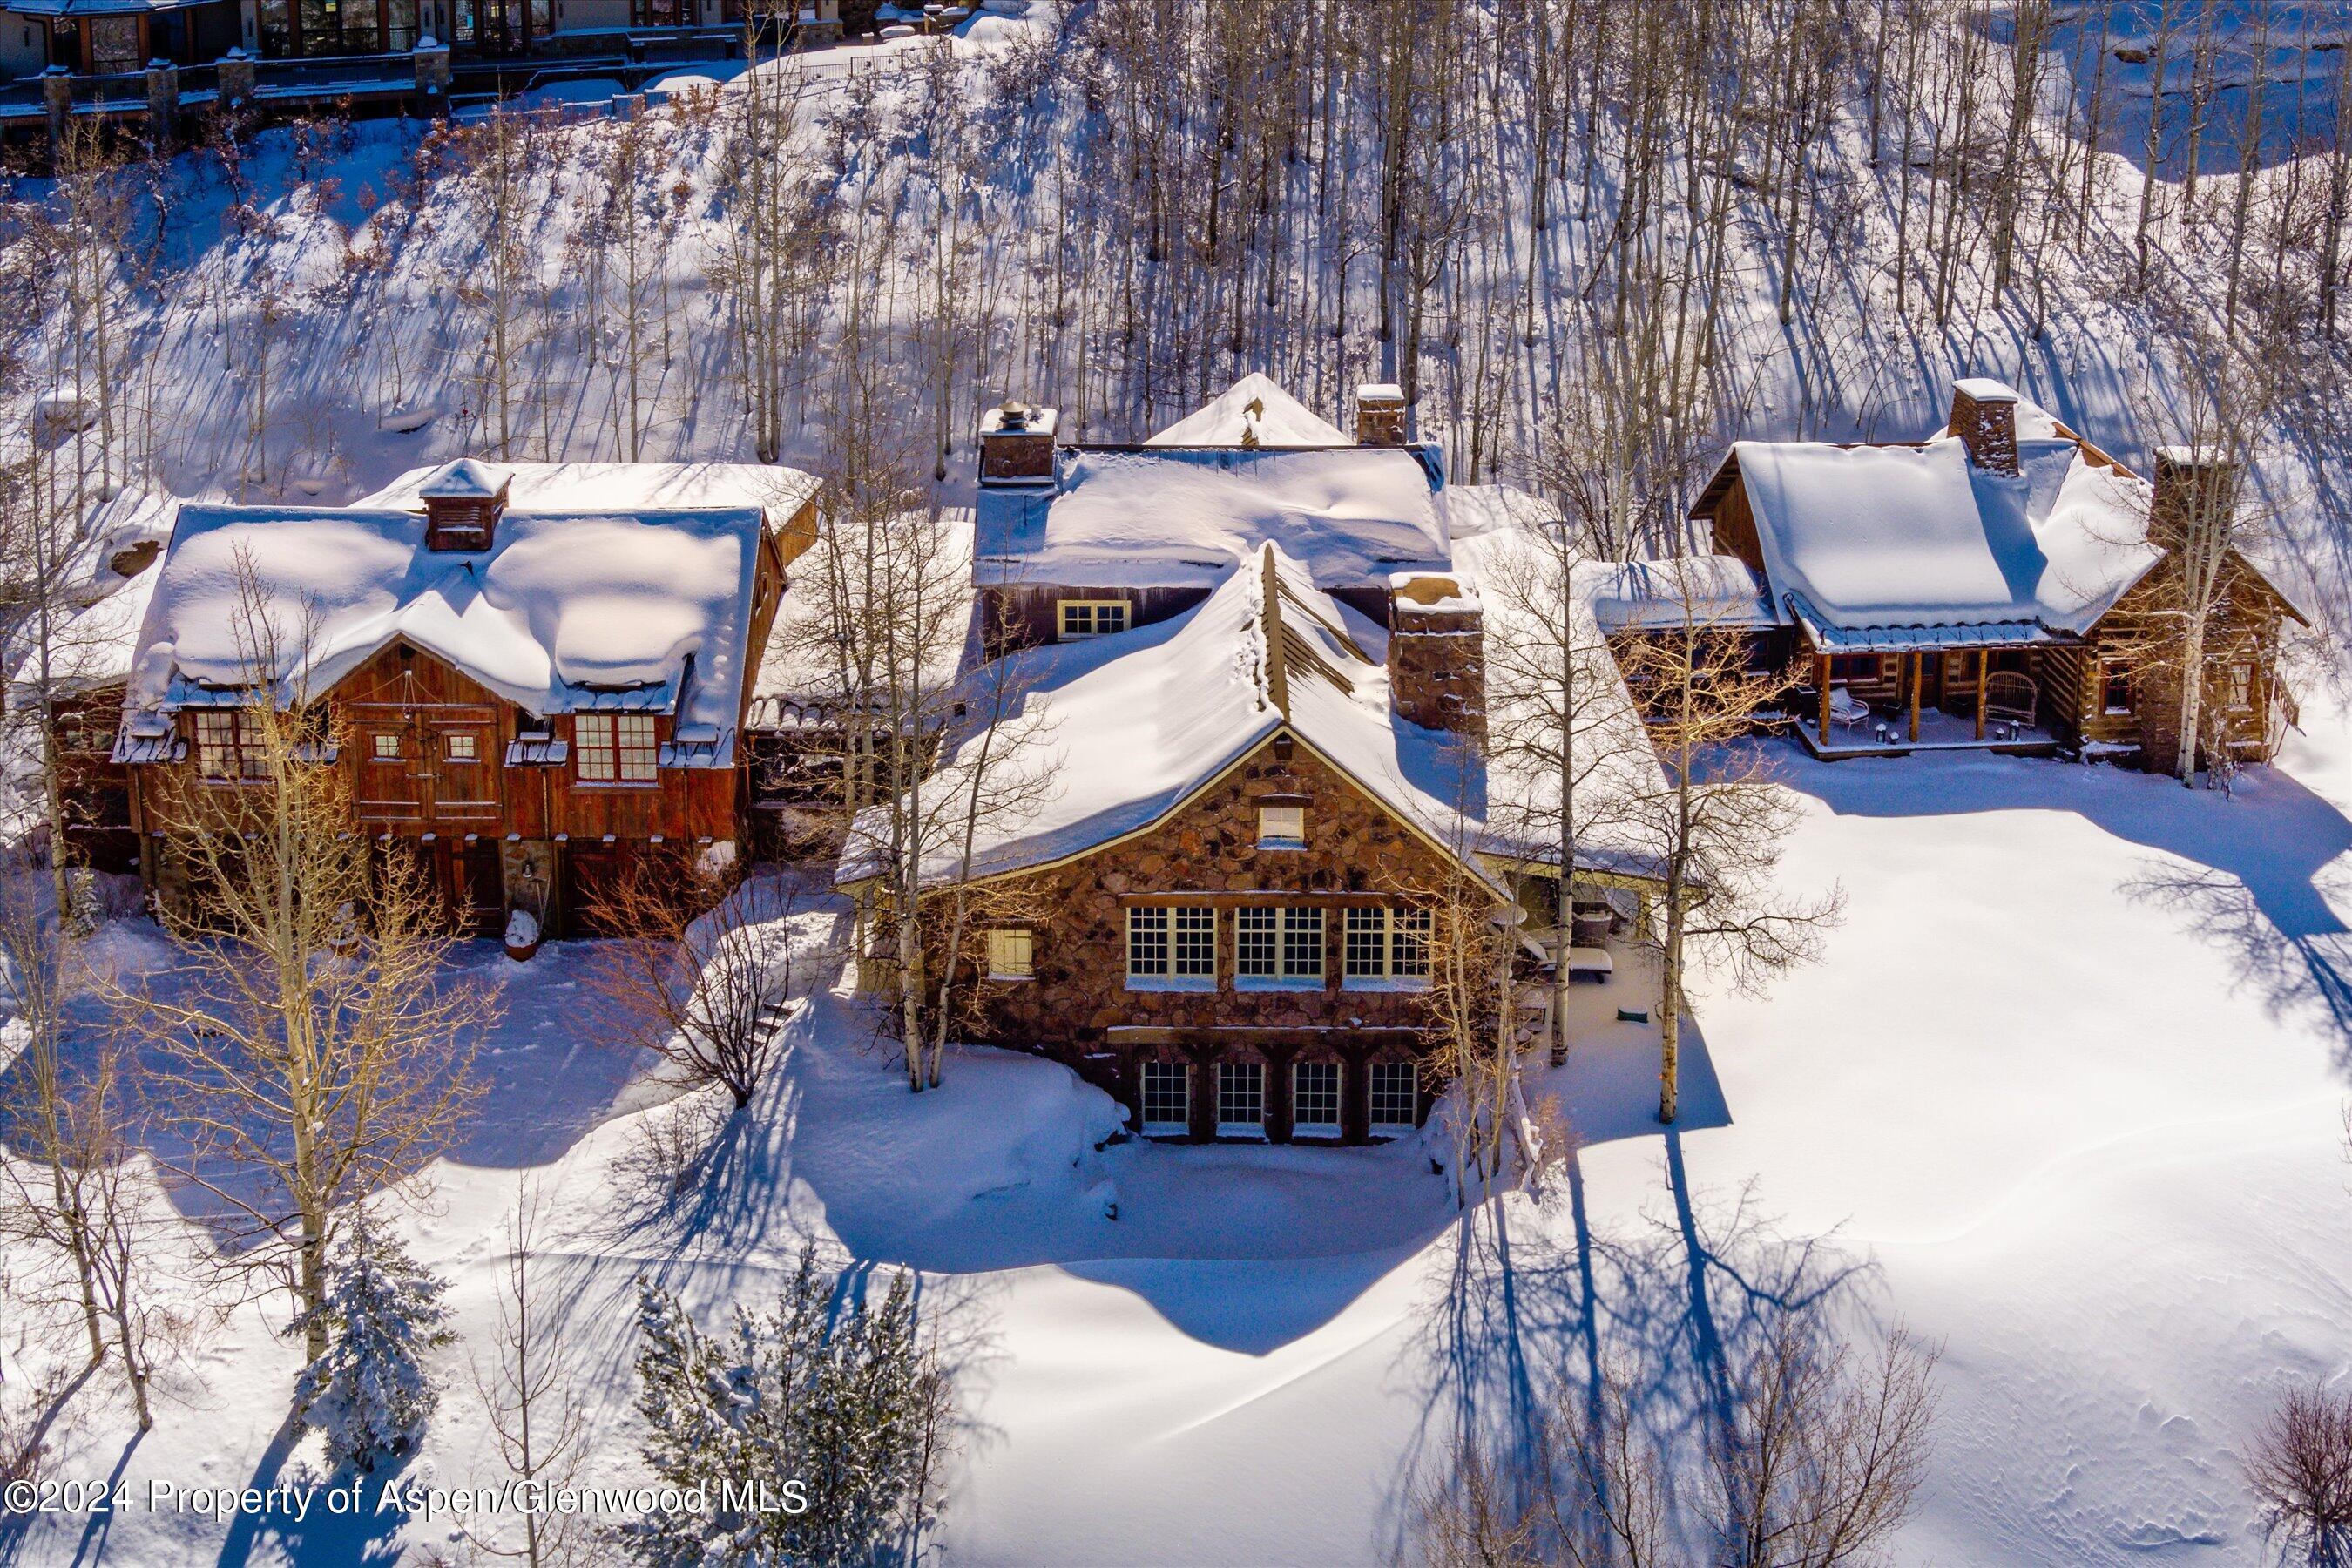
<point x="1078" y="1009"/>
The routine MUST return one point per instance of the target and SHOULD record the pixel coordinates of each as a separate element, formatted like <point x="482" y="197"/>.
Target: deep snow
<point x="2064" y="1095"/>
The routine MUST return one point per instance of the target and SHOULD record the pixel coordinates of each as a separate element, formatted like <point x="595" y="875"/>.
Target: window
<point x="1395" y="1094"/>
<point x="1385" y="946"/>
<point x="461" y="749"/>
<point x="2237" y="687"/>
<point x="1171" y="949"/>
<point x="1869" y="669"/>
<point x="1092" y="618"/>
<point x="614" y="748"/>
<point x="1241" y="1100"/>
<point x="229" y="746"/>
<point x="1274" y="946"/>
<point x="2115" y="686"/>
<point x="1314" y="1100"/>
<point x="1282" y="828"/>
<point x="1167" y="1097"/>
<point x="385" y="748"/>
<point x="1010" y="955"/>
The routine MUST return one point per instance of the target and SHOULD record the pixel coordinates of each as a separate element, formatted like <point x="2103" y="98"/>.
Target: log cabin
<point x="1998" y="587"/>
<point x="535" y="674"/>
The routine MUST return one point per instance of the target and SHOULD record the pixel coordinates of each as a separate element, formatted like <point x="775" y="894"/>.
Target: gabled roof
<point x="1178" y="516"/>
<point x="1142" y="722"/>
<point x="467" y="479"/>
<point x="1252" y="412"/>
<point x="643" y="608"/>
<point x="777" y="492"/>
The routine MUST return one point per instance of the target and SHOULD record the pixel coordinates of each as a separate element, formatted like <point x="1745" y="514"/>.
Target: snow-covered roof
<point x="1141" y="721"/>
<point x="1717" y="592"/>
<point x="1180" y="516"/>
<point x="648" y="609"/>
<point x="779" y="492"/>
<point x="467" y="479"/>
<point x="1252" y="412"/>
<point x="1860" y="543"/>
<point x="92" y="645"/>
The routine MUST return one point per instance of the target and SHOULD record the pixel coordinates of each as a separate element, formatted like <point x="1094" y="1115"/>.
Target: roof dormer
<point x="462" y="503"/>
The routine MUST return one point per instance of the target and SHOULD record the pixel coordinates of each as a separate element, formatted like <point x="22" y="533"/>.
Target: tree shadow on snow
<point x="1540" y="1311"/>
<point x="2270" y="853"/>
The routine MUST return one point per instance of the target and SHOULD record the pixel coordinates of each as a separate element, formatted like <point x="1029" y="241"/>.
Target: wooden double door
<point x="436" y="765"/>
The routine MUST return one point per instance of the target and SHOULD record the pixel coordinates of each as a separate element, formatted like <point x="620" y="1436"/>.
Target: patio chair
<point x="1847" y="709"/>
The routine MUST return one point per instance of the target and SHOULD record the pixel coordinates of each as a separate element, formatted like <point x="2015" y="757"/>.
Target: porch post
<point x="1984" y="657"/>
<point x="1919" y="678"/>
<point x="1821" y="684"/>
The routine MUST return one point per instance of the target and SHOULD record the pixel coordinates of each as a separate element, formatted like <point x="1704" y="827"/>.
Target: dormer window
<point x="462" y="503"/>
<point x="1083" y="618"/>
<point x="229" y="746"/>
<point x="614" y="748"/>
<point x="1282" y="828"/>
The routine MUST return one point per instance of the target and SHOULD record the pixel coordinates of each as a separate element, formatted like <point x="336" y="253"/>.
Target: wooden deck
<point x="1938" y="731"/>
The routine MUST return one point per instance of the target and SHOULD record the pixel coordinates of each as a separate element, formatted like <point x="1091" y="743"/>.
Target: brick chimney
<point x="462" y="503"/>
<point x="2194" y="486"/>
<point x="1984" y="416"/>
<point x="1380" y="415"/>
<point x="1016" y="445"/>
<point x="1437" y="653"/>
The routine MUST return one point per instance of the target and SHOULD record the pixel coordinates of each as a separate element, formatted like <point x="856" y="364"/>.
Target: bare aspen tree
<point x="1715" y="818"/>
<point x="533" y="1394"/>
<point x="311" y="1034"/>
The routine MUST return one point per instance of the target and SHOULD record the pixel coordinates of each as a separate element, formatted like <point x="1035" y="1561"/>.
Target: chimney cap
<point x="1014" y="418"/>
<point x="467" y="479"/>
<point x="1985" y="389"/>
<point x="1380" y="391"/>
<point x="1431" y="590"/>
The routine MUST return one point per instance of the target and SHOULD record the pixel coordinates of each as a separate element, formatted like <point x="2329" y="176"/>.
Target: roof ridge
<point x="1277" y="673"/>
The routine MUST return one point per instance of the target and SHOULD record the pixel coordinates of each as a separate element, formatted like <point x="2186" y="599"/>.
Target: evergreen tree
<point x="834" y="1419"/>
<point x="369" y="1391"/>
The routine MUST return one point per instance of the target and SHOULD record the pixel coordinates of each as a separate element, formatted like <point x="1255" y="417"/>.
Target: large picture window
<point x="614" y="748"/>
<point x="1167" y="1097"/>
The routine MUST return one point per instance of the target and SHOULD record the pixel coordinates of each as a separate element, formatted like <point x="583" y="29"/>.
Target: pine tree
<point x="843" y="1412"/>
<point x="369" y="1391"/>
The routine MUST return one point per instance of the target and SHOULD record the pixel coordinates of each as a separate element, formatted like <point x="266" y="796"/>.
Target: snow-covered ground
<point x="2064" y="1095"/>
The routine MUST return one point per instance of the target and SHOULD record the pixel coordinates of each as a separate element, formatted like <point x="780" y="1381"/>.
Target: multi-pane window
<point x="1167" y="944"/>
<point x="1092" y="617"/>
<point x="1167" y="1097"/>
<point x="1282" y="828"/>
<point x="1011" y="954"/>
<point x="1241" y="1099"/>
<point x="1302" y="943"/>
<point x="2115" y="686"/>
<point x="385" y="748"/>
<point x="1386" y="944"/>
<point x="1278" y="943"/>
<point x="614" y="748"/>
<point x="2237" y="687"/>
<point x="462" y="748"/>
<point x="1314" y="1100"/>
<point x="1395" y="1093"/>
<point x="229" y="746"/>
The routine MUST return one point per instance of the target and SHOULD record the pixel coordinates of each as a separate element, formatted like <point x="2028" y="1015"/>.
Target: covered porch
<point x="1892" y="691"/>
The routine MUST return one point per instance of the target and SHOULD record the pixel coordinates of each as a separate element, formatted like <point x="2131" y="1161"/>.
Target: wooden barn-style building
<point x="534" y="674"/>
<point x="2003" y="584"/>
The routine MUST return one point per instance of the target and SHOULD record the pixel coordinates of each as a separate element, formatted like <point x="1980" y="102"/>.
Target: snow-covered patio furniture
<point x="1847" y="709"/>
<point x="1590" y="963"/>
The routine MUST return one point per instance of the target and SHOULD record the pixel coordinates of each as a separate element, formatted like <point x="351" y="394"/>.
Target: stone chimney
<point x="1016" y="445"/>
<point x="462" y="503"/>
<point x="1380" y="415"/>
<point x="1984" y="416"/>
<point x="1437" y="653"/>
<point x="2195" y="486"/>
